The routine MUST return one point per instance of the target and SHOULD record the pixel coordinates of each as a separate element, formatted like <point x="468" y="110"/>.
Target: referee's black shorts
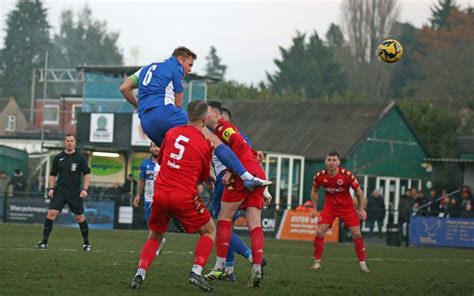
<point x="67" y="196"/>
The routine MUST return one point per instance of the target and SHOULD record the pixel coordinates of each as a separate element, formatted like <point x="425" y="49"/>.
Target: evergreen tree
<point x="441" y="13"/>
<point x="84" y="41"/>
<point x="308" y="69"/>
<point x="214" y="68"/>
<point x="334" y="36"/>
<point x="26" y="41"/>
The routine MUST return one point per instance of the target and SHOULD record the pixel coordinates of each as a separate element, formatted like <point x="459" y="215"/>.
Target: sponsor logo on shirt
<point x="339" y="182"/>
<point x="173" y="165"/>
<point x="333" y="190"/>
<point x="73" y="167"/>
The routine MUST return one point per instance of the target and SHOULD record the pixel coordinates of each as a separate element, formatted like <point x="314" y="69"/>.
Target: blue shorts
<point x="147" y="208"/>
<point x="217" y="197"/>
<point x="157" y="121"/>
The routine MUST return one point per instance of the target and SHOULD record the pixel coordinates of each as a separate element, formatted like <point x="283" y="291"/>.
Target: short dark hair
<point x="184" y="52"/>
<point x="197" y="110"/>
<point x="69" y="135"/>
<point x="226" y="110"/>
<point x="216" y="105"/>
<point x="334" y="153"/>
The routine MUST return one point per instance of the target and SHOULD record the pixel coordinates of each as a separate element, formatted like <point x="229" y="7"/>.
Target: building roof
<point x="129" y="70"/>
<point x="4" y="102"/>
<point x="307" y="128"/>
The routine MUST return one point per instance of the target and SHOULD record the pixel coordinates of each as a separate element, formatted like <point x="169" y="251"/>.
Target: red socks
<point x="318" y="247"/>
<point x="359" y="248"/>
<point x="148" y="253"/>
<point x="224" y="235"/>
<point x="203" y="250"/>
<point x="258" y="243"/>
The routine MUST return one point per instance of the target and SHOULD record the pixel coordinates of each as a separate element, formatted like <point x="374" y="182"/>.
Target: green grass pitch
<point x="64" y="269"/>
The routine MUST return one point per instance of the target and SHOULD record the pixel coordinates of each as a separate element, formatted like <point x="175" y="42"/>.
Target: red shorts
<point x="190" y="211"/>
<point x="349" y="216"/>
<point x="235" y="191"/>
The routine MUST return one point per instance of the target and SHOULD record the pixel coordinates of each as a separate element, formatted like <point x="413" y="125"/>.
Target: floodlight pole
<point x="46" y="181"/>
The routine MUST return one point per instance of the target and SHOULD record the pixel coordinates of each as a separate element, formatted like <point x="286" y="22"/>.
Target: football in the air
<point x="390" y="51"/>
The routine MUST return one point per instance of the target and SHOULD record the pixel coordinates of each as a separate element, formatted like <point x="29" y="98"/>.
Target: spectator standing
<point x="454" y="208"/>
<point x="467" y="212"/>
<point x="444" y="204"/>
<point x="434" y="207"/>
<point x="466" y="196"/>
<point x="17" y="184"/>
<point x="375" y="212"/>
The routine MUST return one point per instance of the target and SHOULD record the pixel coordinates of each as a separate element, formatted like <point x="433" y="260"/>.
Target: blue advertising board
<point x="99" y="214"/>
<point x="442" y="232"/>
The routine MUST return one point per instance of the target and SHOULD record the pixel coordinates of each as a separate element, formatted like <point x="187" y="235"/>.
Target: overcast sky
<point x="246" y="34"/>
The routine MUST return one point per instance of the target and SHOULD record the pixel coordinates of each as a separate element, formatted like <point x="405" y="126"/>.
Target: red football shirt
<point x="185" y="158"/>
<point x="337" y="188"/>
<point x="231" y="136"/>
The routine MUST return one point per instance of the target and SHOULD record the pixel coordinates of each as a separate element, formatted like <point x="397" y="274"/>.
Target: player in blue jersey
<point x="149" y="169"/>
<point x="237" y="245"/>
<point x="160" y="96"/>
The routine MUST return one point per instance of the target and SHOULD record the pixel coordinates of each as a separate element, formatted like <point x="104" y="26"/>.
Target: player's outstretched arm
<point x="127" y="88"/>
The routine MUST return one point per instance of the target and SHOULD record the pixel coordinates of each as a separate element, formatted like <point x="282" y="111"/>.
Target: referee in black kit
<point x="69" y="167"/>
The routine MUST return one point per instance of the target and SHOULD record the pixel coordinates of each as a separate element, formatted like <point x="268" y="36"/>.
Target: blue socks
<point x="238" y="246"/>
<point x="229" y="159"/>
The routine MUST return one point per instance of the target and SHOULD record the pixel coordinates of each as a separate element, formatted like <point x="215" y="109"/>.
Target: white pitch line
<point x="440" y="260"/>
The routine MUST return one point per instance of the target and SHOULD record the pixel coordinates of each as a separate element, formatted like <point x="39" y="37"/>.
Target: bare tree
<point x="366" y="23"/>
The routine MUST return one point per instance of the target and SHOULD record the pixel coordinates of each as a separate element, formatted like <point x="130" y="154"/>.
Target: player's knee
<point x="155" y="235"/>
<point x="52" y="215"/>
<point x="356" y="234"/>
<point x="79" y="218"/>
<point x="320" y="233"/>
<point x="224" y="216"/>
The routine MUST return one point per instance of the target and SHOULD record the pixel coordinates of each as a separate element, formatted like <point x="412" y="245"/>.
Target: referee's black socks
<point x="84" y="231"/>
<point x="48" y="226"/>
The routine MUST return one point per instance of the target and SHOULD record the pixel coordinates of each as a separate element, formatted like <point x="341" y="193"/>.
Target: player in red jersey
<point x="185" y="158"/>
<point x="236" y="196"/>
<point x="337" y="182"/>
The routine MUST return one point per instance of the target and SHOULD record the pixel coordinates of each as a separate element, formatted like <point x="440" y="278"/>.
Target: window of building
<point x="11" y="123"/>
<point x="286" y="172"/>
<point x="51" y="114"/>
<point x="76" y="108"/>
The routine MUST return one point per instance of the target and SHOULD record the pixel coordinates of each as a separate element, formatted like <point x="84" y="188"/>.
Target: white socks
<point x="246" y="176"/>
<point x="220" y="263"/>
<point x="197" y="269"/>
<point x="141" y="272"/>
